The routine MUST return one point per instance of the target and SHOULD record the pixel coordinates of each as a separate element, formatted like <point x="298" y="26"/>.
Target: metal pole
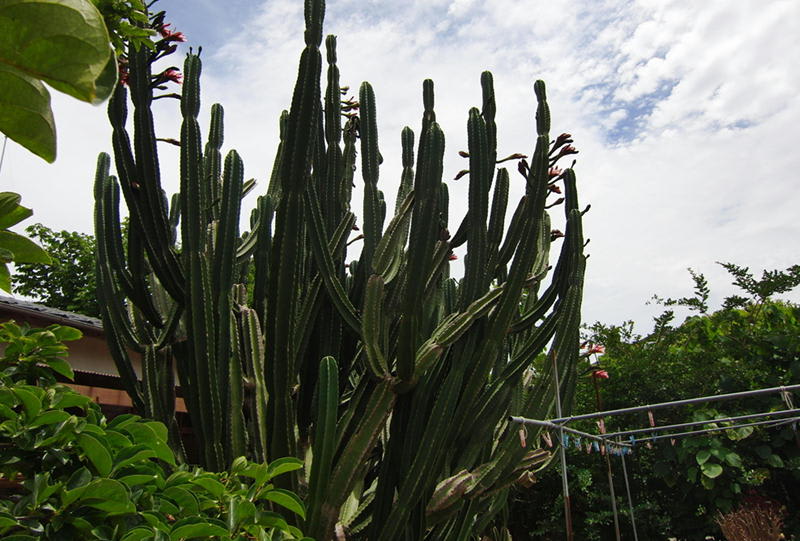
<point x="630" y="500"/>
<point x="564" y="481"/>
<point x="773" y="422"/>
<point x="662" y="405"/>
<point x="548" y="424"/>
<point x="697" y="423"/>
<point x="613" y="495"/>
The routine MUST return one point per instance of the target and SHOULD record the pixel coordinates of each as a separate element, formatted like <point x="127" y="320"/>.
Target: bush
<point x="75" y="475"/>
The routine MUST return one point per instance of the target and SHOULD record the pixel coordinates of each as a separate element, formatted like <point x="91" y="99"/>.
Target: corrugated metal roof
<point x="51" y="313"/>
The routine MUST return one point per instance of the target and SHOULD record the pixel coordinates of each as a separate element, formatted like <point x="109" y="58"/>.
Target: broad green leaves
<point x="115" y="480"/>
<point x="25" y="114"/>
<point x="14" y="247"/>
<point x="63" y="43"/>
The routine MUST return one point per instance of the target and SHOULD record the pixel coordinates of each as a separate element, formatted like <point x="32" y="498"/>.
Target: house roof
<point x="27" y="308"/>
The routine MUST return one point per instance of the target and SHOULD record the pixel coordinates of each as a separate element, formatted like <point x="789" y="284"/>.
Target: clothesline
<point x="661" y="428"/>
<point x="582" y="434"/>
<point x="675" y="403"/>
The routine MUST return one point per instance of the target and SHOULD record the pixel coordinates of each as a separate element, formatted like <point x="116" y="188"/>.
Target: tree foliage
<point x="68" y="281"/>
<point x="752" y="342"/>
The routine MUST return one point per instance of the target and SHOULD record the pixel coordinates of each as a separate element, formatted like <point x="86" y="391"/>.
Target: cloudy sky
<point x="685" y="113"/>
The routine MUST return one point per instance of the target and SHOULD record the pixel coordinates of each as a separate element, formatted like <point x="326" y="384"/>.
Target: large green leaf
<point x="287" y="499"/>
<point x="104" y="494"/>
<point x="62" y="42"/>
<point x="24" y="250"/>
<point x="193" y="531"/>
<point x="5" y="278"/>
<point x="25" y="114"/>
<point x="711" y="470"/>
<point x="96" y="452"/>
<point x="11" y="212"/>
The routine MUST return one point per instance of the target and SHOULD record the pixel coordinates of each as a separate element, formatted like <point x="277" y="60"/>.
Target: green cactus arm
<point x="488" y="111"/>
<point x="324" y="259"/>
<point x="224" y="267"/>
<point x="275" y="190"/>
<point x="235" y="437"/>
<point x="117" y="331"/>
<point x="350" y="462"/>
<point x="420" y="475"/>
<point x="372" y="327"/>
<point x="145" y="185"/>
<point x="423" y="238"/>
<point x="370" y="161"/>
<point x="285" y="281"/>
<point x="253" y="352"/>
<point x="389" y="250"/>
<point x="497" y="218"/>
<point x="324" y="443"/>
<point x="476" y="277"/>
<point x="213" y="164"/>
<point x="261" y="256"/>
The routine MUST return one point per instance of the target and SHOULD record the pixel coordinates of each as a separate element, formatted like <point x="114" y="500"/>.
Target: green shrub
<point x="80" y="476"/>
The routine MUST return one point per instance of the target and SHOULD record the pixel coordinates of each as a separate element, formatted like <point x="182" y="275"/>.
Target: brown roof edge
<point x="88" y="325"/>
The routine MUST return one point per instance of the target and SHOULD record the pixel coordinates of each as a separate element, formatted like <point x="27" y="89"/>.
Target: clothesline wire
<point x="675" y="403"/>
<point x="768" y="422"/>
<point x="574" y="431"/>
<point x="662" y="428"/>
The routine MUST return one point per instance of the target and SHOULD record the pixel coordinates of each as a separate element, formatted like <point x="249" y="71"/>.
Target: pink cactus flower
<point x="173" y="75"/>
<point x="596" y="348"/>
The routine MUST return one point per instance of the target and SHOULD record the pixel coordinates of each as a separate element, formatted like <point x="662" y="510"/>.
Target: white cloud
<point x="685" y="115"/>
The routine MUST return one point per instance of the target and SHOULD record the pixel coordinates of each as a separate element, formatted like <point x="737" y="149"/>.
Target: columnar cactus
<point x="392" y="379"/>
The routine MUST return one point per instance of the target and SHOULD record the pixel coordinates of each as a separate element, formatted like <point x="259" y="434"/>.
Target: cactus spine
<point x="394" y="377"/>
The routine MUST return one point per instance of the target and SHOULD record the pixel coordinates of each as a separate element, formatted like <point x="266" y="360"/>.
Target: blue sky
<point x="686" y="115"/>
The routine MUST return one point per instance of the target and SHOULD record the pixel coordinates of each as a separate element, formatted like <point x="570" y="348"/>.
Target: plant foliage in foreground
<point x="74" y="475"/>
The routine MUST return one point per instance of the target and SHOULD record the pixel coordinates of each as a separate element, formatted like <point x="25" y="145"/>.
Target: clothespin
<point x="523" y="435"/>
<point x="672" y="441"/>
<point x="588" y="447"/>
<point x="565" y="441"/>
<point x="547" y="439"/>
<point x="596" y="447"/>
<point x="603" y="449"/>
<point x="787" y="398"/>
<point x="601" y="425"/>
<point x="652" y="425"/>
<point x="633" y="440"/>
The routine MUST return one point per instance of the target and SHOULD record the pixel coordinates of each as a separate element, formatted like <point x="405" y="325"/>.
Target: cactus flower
<point x="169" y="35"/>
<point x="173" y="75"/>
<point x="596" y="348"/>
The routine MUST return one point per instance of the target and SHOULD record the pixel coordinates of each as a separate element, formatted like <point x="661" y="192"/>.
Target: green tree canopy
<point x="68" y="282"/>
<point x="752" y="342"/>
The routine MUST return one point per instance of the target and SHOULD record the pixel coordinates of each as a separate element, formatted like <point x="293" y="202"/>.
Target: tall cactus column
<point x="390" y="378"/>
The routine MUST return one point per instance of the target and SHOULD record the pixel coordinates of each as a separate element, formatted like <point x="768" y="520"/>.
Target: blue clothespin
<point x="596" y="446"/>
<point x="565" y="441"/>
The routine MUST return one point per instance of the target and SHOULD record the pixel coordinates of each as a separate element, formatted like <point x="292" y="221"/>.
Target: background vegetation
<point x="752" y="342"/>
